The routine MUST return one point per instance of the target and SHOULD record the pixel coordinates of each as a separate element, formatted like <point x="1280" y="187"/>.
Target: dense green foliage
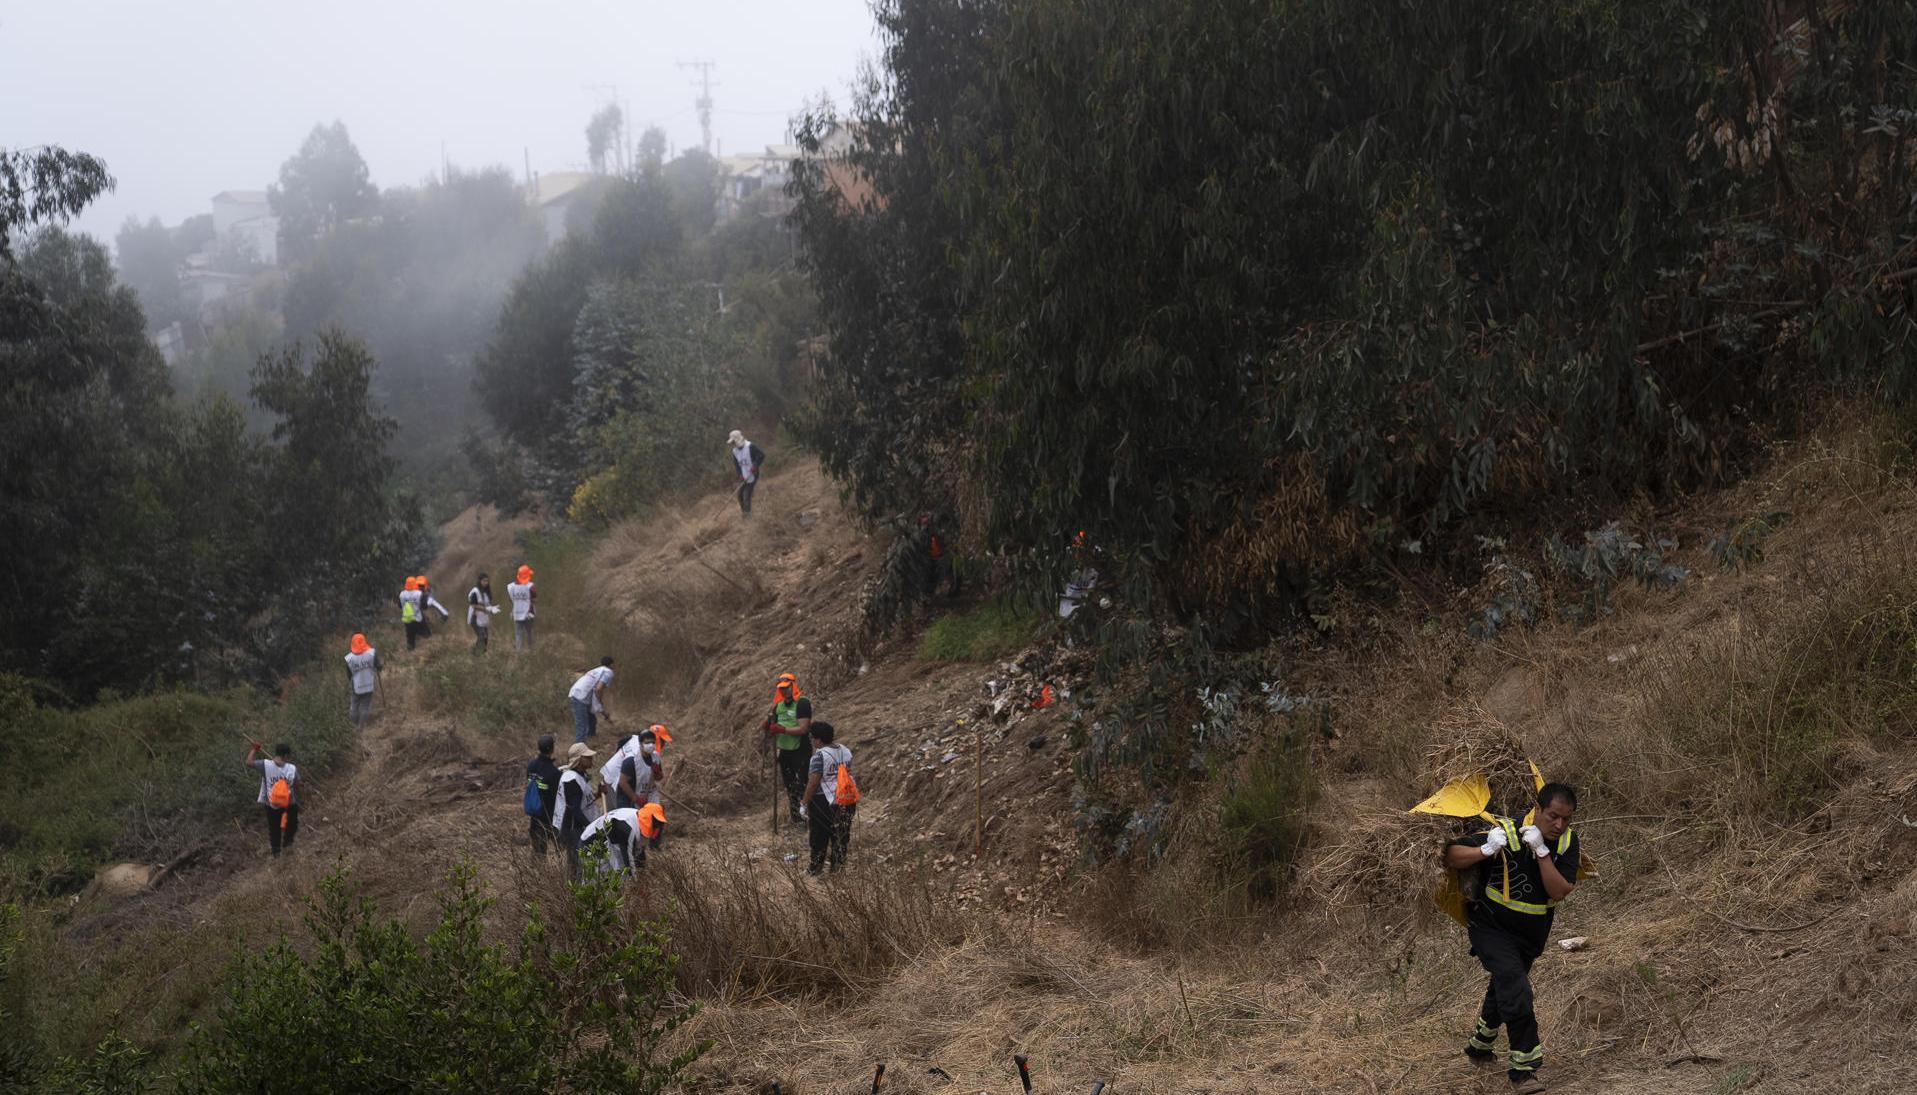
<point x="1264" y="294"/>
<point x="1251" y="289"/>
<point x="142" y="778"/>
<point x="578" y="1009"/>
<point x="622" y="358"/>
<point x="148" y="257"/>
<point x="151" y="542"/>
<point x="45" y="185"/>
<point x="323" y="186"/>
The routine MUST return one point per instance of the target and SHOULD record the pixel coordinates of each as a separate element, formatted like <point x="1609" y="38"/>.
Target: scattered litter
<point x="1037" y="742"/>
<point x="789" y="857"/>
<point x="1575" y="943"/>
<point x="948" y="758"/>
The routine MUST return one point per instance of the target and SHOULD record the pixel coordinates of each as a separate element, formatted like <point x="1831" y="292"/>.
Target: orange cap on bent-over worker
<point x="660" y="734"/>
<point x="525" y="574"/>
<point x="360" y="645"/>
<point x="786" y="679"/>
<point x="412" y="585"/>
<point x="651" y="817"/>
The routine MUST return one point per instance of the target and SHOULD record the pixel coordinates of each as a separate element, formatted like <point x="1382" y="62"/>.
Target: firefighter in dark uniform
<point x="1520" y="874"/>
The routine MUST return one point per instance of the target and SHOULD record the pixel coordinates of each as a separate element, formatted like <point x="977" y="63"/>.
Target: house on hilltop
<point x="243" y="221"/>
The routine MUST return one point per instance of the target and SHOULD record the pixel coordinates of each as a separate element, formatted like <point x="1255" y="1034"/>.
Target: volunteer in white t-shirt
<point x="525" y="598"/>
<point x="480" y="610"/>
<point x="830" y="822"/>
<point x="280" y="804"/>
<point x="362" y="674"/>
<point x="577" y="805"/>
<point x="631" y="777"/>
<point x="588" y="699"/>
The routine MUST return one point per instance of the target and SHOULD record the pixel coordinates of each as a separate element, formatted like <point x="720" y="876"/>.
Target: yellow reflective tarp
<point x="1466" y="797"/>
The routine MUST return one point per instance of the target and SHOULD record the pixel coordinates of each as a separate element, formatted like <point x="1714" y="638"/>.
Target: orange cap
<point x="525" y="574"/>
<point x="412" y="585"/>
<point x="659" y="732"/>
<point x="360" y="645"/>
<point x="423" y="583"/>
<point x="786" y="680"/>
<point x="651" y="816"/>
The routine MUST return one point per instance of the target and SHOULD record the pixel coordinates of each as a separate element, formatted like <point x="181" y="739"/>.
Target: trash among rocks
<point x="1575" y="943"/>
<point x="948" y="758"/>
<point x="789" y="857"/>
<point x="808" y="518"/>
<point x="1037" y="742"/>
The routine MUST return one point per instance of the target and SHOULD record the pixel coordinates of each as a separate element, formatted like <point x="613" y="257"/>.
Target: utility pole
<point x="704" y="101"/>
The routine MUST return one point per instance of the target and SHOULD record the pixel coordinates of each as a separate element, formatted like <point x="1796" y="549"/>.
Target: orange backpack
<point x="845" y="792"/>
<point x="280" y="795"/>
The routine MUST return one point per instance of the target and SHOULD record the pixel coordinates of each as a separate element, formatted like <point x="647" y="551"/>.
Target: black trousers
<point x="793" y="773"/>
<point x="275" y="833"/>
<point x="1508" y="1002"/>
<point x="480" y="635"/>
<point x="745" y="497"/>
<point x="830" y="829"/>
<point x="539" y="830"/>
<point x="415" y="629"/>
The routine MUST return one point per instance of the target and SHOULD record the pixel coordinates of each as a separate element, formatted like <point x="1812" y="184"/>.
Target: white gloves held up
<point x="1495" y="841"/>
<point x="1533" y="838"/>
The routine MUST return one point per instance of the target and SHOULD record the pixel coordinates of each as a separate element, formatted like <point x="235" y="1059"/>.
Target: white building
<point x="243" y="220"/>
<point x="742" y="179"/>
<point x="556" y="193"/>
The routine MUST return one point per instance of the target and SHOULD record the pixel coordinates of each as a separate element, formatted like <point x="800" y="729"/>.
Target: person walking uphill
<point x="542" y="795"/>
<point x="587" y="697"/>
<point x="787" y="724"/>
<point x="746" y="460"/>
<point x="412" y="612"/>
<point x="1522" y="874"/>
<point x="525" y="597"/>
<point x="362" y="676"/>
<point x="279" y="793"/>
<point x="831" y="798"/>
<point x="480" y="611"/>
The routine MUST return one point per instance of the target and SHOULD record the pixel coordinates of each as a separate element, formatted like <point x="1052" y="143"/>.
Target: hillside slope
<point x="1731" y="947"/>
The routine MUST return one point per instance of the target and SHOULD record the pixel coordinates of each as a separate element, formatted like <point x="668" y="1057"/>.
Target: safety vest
<point x="1513" y="840"/>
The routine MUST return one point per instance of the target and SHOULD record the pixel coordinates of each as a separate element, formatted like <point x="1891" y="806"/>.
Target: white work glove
<point x="1495" y="841"/>
<point x="1533" y="838"/>
<point x="802" y="814"/>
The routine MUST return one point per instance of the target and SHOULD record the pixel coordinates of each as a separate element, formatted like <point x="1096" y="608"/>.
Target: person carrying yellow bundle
<point x="1516" y="874"/>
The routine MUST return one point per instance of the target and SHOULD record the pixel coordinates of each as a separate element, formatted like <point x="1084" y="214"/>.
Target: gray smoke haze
<point x="184" y="100"/>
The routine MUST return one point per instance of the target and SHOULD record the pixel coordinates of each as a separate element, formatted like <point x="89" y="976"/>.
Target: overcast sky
<point x="186" y="98"/>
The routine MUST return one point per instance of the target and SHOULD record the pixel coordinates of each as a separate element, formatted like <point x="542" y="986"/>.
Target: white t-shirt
<point x="825" y="763"/>
<point x="522" y="598"/>
<point x="477" y="602"/>
<point x="362" y="666"/>
<point x="743" y="457"/>
<point x="587" y="685"/>
<point x="271" y="772"/>
<point x="415" y="598"/>
<point x="620" y="853"/>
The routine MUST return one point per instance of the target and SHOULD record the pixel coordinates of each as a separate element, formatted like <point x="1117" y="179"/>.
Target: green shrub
<point x="1261" y="822"/>
<point x="580" y="1009"/>
<point x="990" y="631"/>
<point x="72" y="782"/>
